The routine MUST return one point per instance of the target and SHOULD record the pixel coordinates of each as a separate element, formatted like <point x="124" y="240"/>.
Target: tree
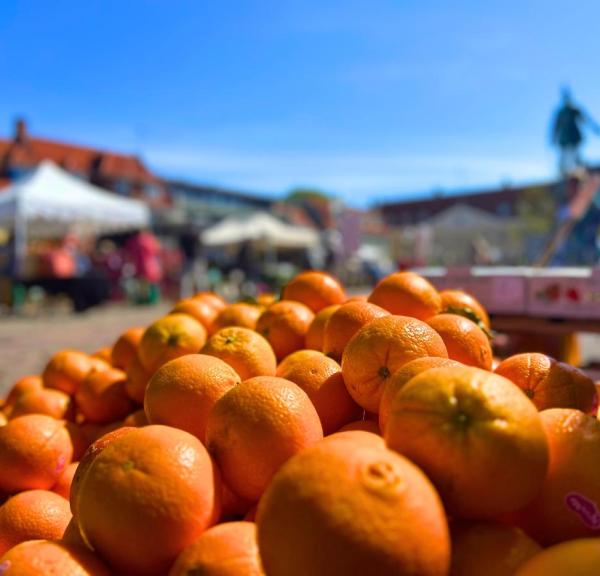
<point x="311" y="194"/>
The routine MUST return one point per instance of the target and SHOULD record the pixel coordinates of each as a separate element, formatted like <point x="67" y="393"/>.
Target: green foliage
<point x="308" y="194"/>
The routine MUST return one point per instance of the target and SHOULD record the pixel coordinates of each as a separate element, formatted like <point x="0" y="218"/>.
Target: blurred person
<point x="567" y="131"/>
<point x="193" y="274"/>
<point x="333" y="245"/>
<point x="215" y="278"/>
<point x="59" y="261"/>
<point x="109" y="260"/>
<point x="144" y="251"/>
<point x="80" y="254"/>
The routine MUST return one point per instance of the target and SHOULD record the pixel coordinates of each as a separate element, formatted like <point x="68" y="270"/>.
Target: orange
<point x="136" y="419"/>
<point x="358" y="298"/>
<point x="399" y="378"/>
<point x="578" y="557"/>
<point x="459" y="302"/>
<point x="488" y="548"/>
<point x="351" y="507"/>
<point x="43" y="557"/>
<point x="95" y="448"/>
<point x="475" y="434"/>
<point x="79" y="439"/>
<point x="407" y="294"/>
<point x="361" y="425"/>
<point x="226" y="550"/>
<point x="63" y="485"/>
<point x="21" y="386"/>
<point x="34" y="451"/>
<point x="266" y="299"/>
<point x="380" y="348"/>
<point x="316" y="331"/>
<point x="92" y="432"/>
<point x="32" y="515"/>
<point x="213" y="299"/>
<point x="568" y="504"/>
<point x="345" y="322"/>
<point x="251" y="514"/>
<point x="356" y="435"/>
<point x="67" y="368"/>
<point x="3" y="419"/>
<point x="44" y="401"/>
<point x="145" y="497"/>
<point x="315" y="289"/>
<point x="125" y="348"/>
<point x="255" y="427"/>
<point x="285" y="324"/>
<point x="168" y="338"/>
<point x="72" y="537"/>
<point x="321" y="378"/>
<point x="464" y="340"/>
<point x="101" y="397"/>
<point x="199" y="309"/>
<point x="238" y="314"/>
<point x="182" y="392"/>
<point x="246" y="351"/>
<point x="550" y="384"/>
<point x="104" y="354"/>
<point x="233" y="507"/>
<point x="137" y="380"/>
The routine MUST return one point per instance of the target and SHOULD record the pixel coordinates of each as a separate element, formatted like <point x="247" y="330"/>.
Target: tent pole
<point x="20" y="242"/>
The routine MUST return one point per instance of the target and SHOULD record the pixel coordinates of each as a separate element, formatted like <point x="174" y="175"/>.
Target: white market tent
<point x="260" y="227"/>
<point x="50" y="202"/>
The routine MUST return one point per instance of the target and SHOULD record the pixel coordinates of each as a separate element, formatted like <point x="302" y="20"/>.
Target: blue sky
<point x="366" y="100"/>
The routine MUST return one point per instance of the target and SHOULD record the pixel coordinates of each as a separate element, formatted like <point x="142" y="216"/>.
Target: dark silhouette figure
<point x="567" y="132"/>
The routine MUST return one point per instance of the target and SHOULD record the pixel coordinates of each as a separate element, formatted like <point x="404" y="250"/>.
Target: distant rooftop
<point x="26" y="151"/>
<point x="179" y="185"/>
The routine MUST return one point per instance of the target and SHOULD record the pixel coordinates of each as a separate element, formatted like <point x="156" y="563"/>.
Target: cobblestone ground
<point x="27" y="343"/>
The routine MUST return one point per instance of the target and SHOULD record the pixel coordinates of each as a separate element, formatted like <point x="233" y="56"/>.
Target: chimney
<point x="20" y="131"/>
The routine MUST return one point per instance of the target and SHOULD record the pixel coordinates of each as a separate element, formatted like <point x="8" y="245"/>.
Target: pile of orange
<point x="316" y="434"/>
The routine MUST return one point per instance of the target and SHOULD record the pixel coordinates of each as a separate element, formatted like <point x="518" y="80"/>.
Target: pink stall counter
<point x="552" y="293"/>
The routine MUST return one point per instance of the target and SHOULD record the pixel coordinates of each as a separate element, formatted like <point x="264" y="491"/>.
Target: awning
<point x="52" y="202"/>
<point x="260" y="227"/>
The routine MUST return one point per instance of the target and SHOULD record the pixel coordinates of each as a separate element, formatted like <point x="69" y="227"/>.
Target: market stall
<point x="262" y="246"/>
<point x="260" y="227"/>
<point x="49" y="204"/>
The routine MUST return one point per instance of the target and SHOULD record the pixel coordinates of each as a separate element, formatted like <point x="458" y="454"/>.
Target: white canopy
<point x="262" y="227"/>
<point x="51" y="202"/>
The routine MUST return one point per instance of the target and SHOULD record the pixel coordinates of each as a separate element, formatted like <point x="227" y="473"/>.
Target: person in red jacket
<point x="144" y="251"/>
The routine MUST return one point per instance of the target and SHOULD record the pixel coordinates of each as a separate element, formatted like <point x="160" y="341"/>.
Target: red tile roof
<point x="103" y="164"/>
<point x="293" y="213"/>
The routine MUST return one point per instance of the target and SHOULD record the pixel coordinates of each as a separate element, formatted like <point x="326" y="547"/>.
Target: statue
<point x="567" y="132"/>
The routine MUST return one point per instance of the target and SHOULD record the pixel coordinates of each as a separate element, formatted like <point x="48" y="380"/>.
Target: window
<point x="152" y="191"/>
<point x="122" y="187"/>
<point x="17" y="172"/>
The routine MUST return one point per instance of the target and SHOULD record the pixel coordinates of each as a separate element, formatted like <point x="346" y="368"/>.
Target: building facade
<point x="123" y="174"/>
<point x="525" y="221"/>
<point x="202" y="205"/>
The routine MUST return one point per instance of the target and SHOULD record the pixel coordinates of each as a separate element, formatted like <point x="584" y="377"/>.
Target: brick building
<point x="530" y="216"/>
<point x="124" y="174"/>
<point x="502" y="202"/>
